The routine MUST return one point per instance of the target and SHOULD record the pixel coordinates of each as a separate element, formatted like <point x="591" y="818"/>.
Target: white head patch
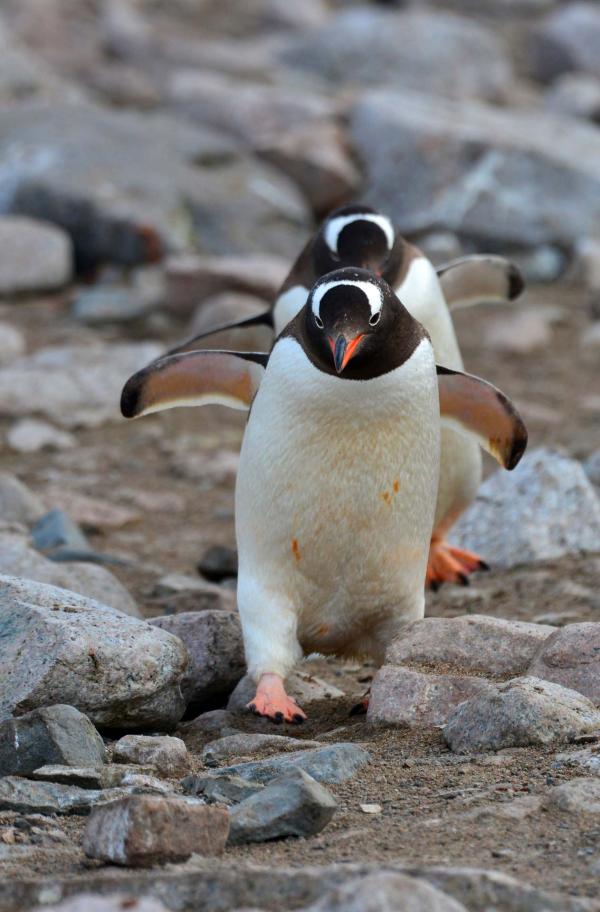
<point x="336" y="225"/>
<point x="371" y="291"/>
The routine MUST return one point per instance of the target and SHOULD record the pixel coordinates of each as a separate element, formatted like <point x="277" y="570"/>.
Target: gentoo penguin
<point x="339" y="467"/>
<point x="361" y="237"/>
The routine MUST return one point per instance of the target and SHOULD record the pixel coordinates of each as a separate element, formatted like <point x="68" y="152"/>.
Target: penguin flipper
<point x="261" y="319"/>
<point x="194" y="378"/>
<point x="473" y="406"/>
<point x="480" y="279"/>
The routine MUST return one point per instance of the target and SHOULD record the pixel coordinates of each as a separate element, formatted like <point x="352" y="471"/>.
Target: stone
<point x="579" y="796"/>
<point x="143" y="784"/>
<point x="293" y="805"/>
<point x="17" y="558"/>
<point x="220" y="789"/>
<point x="193" y="278"/>
<point x="116" y="902"/>
<point x="227" y="307"/>
<point x="245" y="744"/>
<point x="30" y="435"/>
<point x="167" y="755"/>
<point x="471" y="644"/>
<point x="128" y="186"/>
<point x="91" y="513"/>
<point x="588" y="759"/>
<point x="548" y="504"/>
<point x="55" y="531"/>
<point x="107" y="776"/>
<point x="72" y="385"/>
<point x="144" y="830"/>
<point x="442" y="54"/>
<point x="485" y="173"/>
<point x="590" y="338"/>
<point x="12" y="343"/>
<point x="119" y="671"/>
<point x="567" y="40"/>
<point x="206" y="727"/>
<point x="256" y="17"/>
<point x="575" y="94"/>
<point x="571" y="657"/>
<point x="213" y="640"/>
<point x="102" y="305"/>
<point x="27" y="797"/>
<point x="34" y="256"/>
<point x="401" y="696"/>
<point x="333" y="763"/>
<point x="522" y="333"/>
<point x="524" y="711"/>
<point x="54" y="734"/>
<point x="304" y="687"/>
<point x="592" y="467"/>
<point x="385" y="890"/>
<point x="17" y="503"/>
<point x="218" y="562"/>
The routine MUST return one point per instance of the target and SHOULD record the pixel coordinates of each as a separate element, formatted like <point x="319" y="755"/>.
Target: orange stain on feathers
<point x="296" y="549"/>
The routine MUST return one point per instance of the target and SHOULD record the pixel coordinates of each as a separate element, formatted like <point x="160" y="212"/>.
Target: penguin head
<point x="356" y="327"/>
<point x="353" y="236"/>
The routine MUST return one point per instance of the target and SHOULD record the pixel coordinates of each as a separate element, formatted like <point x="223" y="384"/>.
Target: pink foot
<point x="272" y="701"/>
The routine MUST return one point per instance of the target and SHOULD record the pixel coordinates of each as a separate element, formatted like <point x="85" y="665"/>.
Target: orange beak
<point x="343" y="349"/>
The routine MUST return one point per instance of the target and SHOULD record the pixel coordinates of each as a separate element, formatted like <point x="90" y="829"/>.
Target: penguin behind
<point x="337" y="484"/>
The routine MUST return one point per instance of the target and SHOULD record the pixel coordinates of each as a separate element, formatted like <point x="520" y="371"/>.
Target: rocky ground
<point x="157" y="171"/>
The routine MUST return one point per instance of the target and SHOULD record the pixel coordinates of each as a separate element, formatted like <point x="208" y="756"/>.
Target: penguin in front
<point x="361" y="237"/>
<point x="337" y="484"/>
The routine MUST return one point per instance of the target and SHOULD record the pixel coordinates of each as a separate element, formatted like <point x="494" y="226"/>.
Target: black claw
<point x="434" y="585"/>
<point x="297" y="718"/>
<point x="252" y="708"/>
<point x="483" y="565"/>
<point x="358" y="710"/>
<point x="278" y="718"/>
<point x="464" y="579"/>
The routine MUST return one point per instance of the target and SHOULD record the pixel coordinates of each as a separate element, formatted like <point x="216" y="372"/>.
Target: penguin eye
<point x="319" y="321"/>
<point x="374" y="320"/>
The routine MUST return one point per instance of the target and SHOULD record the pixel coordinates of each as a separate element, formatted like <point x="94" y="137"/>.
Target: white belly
<point x="335" y="499"/>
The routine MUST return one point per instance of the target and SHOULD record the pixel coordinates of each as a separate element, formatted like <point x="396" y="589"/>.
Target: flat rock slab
<point x="571" y="657"/>
<point x="402" y="696"/>
<point x="246" y="745"/>
<point x="219" y="789"/>
<point x="167" y="755"/>
<point x="472" y="644"/>
<point x="334" y="763"/>
<point x="386" y="890"/>
<point x="293" y="805"/>
<point x="100" y="777"/>
<point x="53" y="734"/>
<point x="144" y="830"/>
<point x="578" y="796"/>
<point x="34" y="256"/>
<point x="29" y="797"/>
<point x="522" y="712"/>
<point x="56" y="646"/>
<point x="547" y="502"/>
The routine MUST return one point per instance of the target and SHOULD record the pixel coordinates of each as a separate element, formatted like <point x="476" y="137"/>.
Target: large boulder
<point x="58" y="647"/>
<point x="34" y="256"/>
<point x="567" y="40"/>
<point x="432" y="51"/>
<point x="571" y="657"/>
<point x="546" y="508"/>
<point x="498" y="176"/>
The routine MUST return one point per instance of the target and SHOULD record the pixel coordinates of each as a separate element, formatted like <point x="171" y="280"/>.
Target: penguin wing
<point x="473" y="406"/>
<point x="262" y="319"/>
<point x="481" y="279"/>
<point x="194" y="378"/>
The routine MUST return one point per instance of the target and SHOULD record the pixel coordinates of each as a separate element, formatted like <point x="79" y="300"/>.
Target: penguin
<point x="358" y="236"/>
<point x="336" y="490"/>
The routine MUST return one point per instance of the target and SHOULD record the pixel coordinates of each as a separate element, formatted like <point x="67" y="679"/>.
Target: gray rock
<point x="55" y="530"/>
<point x="171" y="185"/>
<point x="525" y="711"/>
<point x="334" y="763"/>
<point x="442" y="54"/>
<point x="107" y="776"/>
<point x="27" y="797"/>
<point x="246" y="744"/>
<point x="304" y="687"/>
<point x="30" y="436"/>
<point x="143" y="784"/>
<point x="220" y="789"/>
<point x="116" y="902"/>
<point x="293" y="805"/>
<point x="17" y="503"/>
<point x="588" y="759"/>
<point x="120" y="671"/>
<point x="489" y="174"/>
<point x="256" y="17"/>
<point x="548" y="504"/>
<point x="571" y="657"/>
<point x="225" y="308"/>
<point x="576" y="95"/>
<point x="73" y="386"/>
<point x="578" y="796"/>
<point x="12" y="343"/>
<point x="213" y="640"/>
<point x="166" y="754"/>
<point x="568" y="39"/>
<point x="592" y="467"/>
<point x="192" y="278"/>
<point x="401" y="696"/>
<point x="33" y="256"/>
<point x="54" y="734"/>
<point x="472" y="644"/>
<point x="215" y="723"/>
<point x="385" y="890"/>
<point x="144" y="830"/>
<point x="98" y="306"/>
<point x="17" y="558"/>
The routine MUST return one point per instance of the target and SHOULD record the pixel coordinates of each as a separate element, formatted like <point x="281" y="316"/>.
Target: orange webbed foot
<point x="448" y="564"/>
<point x="272" y="702"/>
